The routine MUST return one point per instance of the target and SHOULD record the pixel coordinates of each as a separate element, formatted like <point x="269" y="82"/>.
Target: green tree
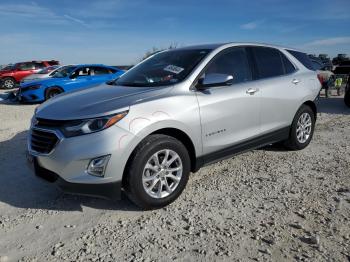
<point x="155" y="50"/>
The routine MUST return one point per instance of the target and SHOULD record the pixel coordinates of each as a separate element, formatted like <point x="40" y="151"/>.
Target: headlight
<point x="87" y="126"/>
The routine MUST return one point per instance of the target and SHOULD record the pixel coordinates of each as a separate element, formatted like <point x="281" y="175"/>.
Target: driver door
<point x="80" y="78"/>
<point x="230" y="115"/>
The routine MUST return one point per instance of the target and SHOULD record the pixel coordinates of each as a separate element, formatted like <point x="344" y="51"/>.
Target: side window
<point x="288" y="66"/>
<point x="268" y="62"/>
<point x="26" y="66"/>
<point x="82" y="71"/>
<point x="39" y="65"/>
<point x="101" y="71"/>
<point x="302" y="58"/>
<point x="233" y="62"/>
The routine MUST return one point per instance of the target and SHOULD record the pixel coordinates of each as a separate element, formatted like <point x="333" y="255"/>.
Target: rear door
<point x="229" y="114"/>
<point x="277" y="84"/>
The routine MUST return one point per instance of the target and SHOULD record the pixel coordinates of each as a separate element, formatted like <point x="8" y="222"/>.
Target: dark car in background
<point x="347" y="93"/>
<point x="340" y="58"/>
<point x="324" y="63"/>
<point x="12" y="75"/>
<point x="343" y="68"/>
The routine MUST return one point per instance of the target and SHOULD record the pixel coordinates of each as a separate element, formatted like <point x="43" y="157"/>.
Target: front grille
<point x="42" y="141"/>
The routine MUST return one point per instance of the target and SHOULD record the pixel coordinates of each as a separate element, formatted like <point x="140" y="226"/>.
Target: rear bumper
<point x="111" y="190"/>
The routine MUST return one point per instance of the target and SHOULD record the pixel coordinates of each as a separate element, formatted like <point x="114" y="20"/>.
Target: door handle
<point x="252" y="91"/>
<point x="295" y="81"/>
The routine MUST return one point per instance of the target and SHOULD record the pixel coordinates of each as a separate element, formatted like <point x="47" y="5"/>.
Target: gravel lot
<point x="264" y="205"/>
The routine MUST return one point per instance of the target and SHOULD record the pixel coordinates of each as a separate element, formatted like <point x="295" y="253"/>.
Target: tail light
<point x="320" y="78"/>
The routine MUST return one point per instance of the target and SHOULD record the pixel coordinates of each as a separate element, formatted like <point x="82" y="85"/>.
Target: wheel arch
<point x="52" y="87"/>
<point x="9" y="76"/>
<point x="3" y="78"/>
<point x="176" y="133"/>
<point x="313" y="106"/>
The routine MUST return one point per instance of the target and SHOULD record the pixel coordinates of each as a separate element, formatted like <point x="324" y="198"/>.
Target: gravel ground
<point x="264" y="205"/>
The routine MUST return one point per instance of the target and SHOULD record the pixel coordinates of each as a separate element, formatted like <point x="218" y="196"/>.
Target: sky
<point x="119" y="32"/>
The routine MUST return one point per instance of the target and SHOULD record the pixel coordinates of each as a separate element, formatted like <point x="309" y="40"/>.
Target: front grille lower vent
<point x="43" y="141"/>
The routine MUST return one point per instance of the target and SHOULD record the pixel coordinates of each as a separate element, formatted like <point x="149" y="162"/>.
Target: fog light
<point x="97" y="166"/>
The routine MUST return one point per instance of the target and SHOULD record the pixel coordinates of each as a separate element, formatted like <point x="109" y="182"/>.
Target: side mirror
<point x="112" y="82"/>
<point x="214" y="79"/>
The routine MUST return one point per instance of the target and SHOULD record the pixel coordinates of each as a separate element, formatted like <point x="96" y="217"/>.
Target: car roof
<point x="90" y="65"/>
<point x="229" y="44"/>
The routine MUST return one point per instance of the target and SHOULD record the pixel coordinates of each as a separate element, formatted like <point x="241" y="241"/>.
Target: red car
<point x="11" y="75"/>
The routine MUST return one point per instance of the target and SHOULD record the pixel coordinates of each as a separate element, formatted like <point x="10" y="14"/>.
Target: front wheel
<point x="8" y="83"/>
<point x="302" y="129"/>
<point x="52" y="91"/>
<point x="157" y="172"/>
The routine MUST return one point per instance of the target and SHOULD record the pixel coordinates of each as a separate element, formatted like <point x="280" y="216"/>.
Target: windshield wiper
<point x="130" y="84"/>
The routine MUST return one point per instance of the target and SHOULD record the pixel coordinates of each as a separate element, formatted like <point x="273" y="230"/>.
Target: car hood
<point x="36" y="76"/>
<point x="95" y="102"/>
<point x="5" y="71"/>
<point x="44" y="81"/>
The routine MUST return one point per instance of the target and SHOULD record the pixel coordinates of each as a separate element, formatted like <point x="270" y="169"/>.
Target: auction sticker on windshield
<point x="174" y="69"/>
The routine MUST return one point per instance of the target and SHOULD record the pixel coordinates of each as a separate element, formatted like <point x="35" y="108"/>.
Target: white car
<point x="44" y="73"/>
<point x="175" y="112"/>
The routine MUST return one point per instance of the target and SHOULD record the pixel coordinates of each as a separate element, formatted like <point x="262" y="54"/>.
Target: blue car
<point x="66" y="79"/>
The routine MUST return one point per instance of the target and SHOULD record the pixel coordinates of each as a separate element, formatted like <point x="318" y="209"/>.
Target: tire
<point x="303" y="118"/>
<point x="8" y="83"/>
<point x="347" y="98"/>
<point x="340" y="91"/>
<point x="52" y="91"/>
<point x="139" y="179"/>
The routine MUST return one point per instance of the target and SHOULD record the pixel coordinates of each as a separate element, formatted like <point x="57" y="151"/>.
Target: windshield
<point x="165" y="68"/>
<point x="8" y="67"/>
<point x="63" y="71"/>
<point x="47" y="70"/>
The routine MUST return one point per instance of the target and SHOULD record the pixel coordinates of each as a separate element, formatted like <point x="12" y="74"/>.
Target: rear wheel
<point x="8" y="83"/>
<point x="157" y="172"/>
<point x="302" y="129"/>
<point x="52" y="91"/>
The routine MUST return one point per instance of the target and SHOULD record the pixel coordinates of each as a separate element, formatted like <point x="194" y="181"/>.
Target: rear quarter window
<point x="288" y="66"/>
<point x="302" y="58"/>
<point x="268" y="62"/>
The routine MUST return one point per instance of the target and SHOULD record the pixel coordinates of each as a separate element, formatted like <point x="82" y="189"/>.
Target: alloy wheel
<point x="162" y="173"/>
<point x="9" y="84"/>
<point x="304" y="128"/>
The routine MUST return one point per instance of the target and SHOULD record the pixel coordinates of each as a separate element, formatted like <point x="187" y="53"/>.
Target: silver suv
<point x="170" y="115"/>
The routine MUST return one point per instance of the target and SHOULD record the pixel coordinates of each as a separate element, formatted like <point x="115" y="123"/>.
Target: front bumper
<point x="30" y="96"/>
<point x="111" y="191"/>
<point x="66" y="164"/>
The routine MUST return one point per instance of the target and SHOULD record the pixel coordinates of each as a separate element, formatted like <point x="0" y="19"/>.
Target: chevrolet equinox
<point x="173" y="113"/>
